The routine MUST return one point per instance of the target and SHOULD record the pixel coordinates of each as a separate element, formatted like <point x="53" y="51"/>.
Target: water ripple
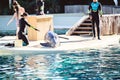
<point x="92" y="64"/>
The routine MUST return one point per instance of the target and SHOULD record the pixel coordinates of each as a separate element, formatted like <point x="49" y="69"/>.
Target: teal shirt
<point x="95" y="6"/>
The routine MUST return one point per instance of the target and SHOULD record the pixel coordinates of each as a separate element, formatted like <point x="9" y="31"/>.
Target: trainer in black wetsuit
<point x="95" y="10"/>
<point x="22" y="25"/>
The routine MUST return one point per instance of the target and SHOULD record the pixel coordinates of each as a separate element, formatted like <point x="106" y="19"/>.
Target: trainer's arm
<point x="27" y="23"/>
<point x="13" y="17"/>
<point x="30" y="26"/>
<point x="89" y="9"/>
<point x="100" y="9"/>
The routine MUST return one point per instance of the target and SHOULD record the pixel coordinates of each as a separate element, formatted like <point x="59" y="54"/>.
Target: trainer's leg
<point x="19" y="35"/>
<point x="93" y="27"/>
<point x="17" y="30"/>
<point x="24" y="38"/>
<point x="98" y="28"/>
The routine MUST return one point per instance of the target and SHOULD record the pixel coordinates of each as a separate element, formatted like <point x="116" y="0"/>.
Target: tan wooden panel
<point x="41" y="22"/>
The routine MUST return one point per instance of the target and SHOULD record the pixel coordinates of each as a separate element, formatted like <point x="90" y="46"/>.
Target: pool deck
<point x="74" y="43"/>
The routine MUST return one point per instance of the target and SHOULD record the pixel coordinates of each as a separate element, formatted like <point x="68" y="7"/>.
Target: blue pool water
<point x="87" y="64"/>
<point x="12" y="32"/>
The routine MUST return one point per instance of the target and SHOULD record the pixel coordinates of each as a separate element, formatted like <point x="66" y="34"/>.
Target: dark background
<point x="53" y="6"/>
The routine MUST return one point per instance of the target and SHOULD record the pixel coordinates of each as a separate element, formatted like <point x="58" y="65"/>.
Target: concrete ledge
<point x="74" y="43"/>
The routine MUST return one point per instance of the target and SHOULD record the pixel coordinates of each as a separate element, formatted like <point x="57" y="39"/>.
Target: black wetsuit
<point x="94" y="8"/>
<point x="21" y="35"/>
<point x="39" y="4"/>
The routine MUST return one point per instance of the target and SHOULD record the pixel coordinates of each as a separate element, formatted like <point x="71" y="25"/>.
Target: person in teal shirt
<point x="95" y="9"/>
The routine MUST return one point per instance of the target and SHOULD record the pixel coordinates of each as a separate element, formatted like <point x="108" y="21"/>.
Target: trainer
<point x="95" y="9"/>
<point x="22" y="25"/>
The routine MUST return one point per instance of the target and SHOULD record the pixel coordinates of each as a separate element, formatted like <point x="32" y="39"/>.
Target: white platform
<point x="74" y="43"/>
